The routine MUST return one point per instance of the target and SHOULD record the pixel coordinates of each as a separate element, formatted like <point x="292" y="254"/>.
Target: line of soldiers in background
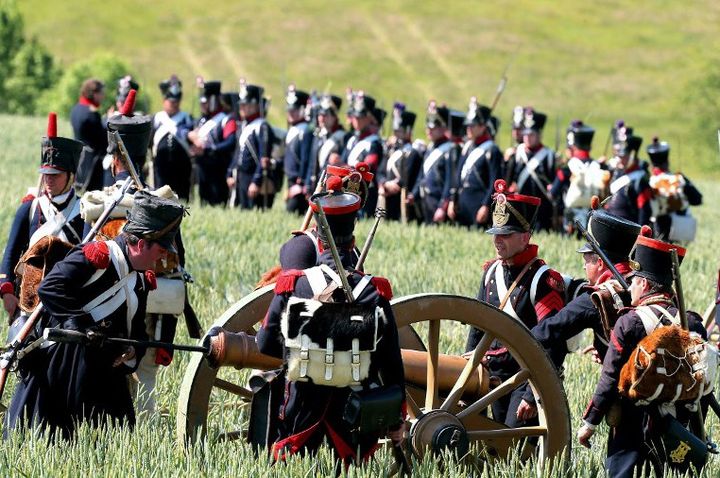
<point x="238" y="159"/>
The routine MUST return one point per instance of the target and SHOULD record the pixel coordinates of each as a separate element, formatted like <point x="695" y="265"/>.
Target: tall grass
<point x="227" y="252"/>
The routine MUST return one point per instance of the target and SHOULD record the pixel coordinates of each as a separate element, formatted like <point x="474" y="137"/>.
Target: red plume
<point x="500" y="186"/>
<point x="334" y="183"/>
<point x="594" y="203"/>
<point x="52" y="125"/>
<point x="646" y="231"/>
<point x="129" y="106"/>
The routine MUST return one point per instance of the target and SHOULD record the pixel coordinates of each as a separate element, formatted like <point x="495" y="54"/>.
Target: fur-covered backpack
<point x="330" y="343"/>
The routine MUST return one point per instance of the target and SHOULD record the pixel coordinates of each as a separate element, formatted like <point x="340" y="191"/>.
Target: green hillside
<point x="599" y="61"/>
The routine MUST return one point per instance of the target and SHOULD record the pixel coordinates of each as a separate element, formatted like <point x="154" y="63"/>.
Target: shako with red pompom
<point x="58" y="155"/>
<point x="134" y="129"/>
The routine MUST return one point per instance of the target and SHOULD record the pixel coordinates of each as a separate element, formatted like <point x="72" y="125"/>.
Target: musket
<point x="128" y="162"/>
<point x="308" y="214"/>
<point x="596" y="248"/>
<point x="92" y="337"/>
<point x="325" y="228"/>
<point x="11" y="352"/>
<point x="379" y="214"/>
<point x="607" y="141"/>
<point x="500" y="89"/>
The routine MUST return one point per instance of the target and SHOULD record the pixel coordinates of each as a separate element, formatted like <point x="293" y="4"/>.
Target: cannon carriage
<point x="448" y="395"/>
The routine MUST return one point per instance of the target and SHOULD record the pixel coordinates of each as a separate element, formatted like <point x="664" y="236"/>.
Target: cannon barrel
<point x="239" y="350"/>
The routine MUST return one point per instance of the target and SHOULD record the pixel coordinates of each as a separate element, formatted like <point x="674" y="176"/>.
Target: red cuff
<point x="7" y="288"/>
<point x="163" y="357"/>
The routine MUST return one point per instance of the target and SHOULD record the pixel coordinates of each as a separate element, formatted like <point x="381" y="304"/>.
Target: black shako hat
<point x="134" y="129"/>
<point x="651" y="259"/>
<point x="512" y="212"/>
<point x="658" y="151"/>
<point x="476" y="113"/>
<point x="532" y="121"/>
<point x="210" y="88"/>
<point x="58" y="155"/>
<point x="457" y="123"/>
<point x="437" y="116"/>
<point x="171" y="88"/>
<point x="340" y="209"/>
<point x="330" y="104"/>
<point x="295" y="99"/>
<point x="124" y="85"/>
<point x="362" y="105"/>
<point x="580" y="135"/>
<point x="402" y="118"/>
<point x="615" y="235"/>
<point x="250" y="94"/>
<point x="155" y="219"/>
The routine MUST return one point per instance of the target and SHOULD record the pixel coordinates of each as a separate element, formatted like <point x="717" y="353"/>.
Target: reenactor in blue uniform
<point x="399" y="171"/>
<point x="519" y="283"/>
<point x="62" y="385"/>
<point x="55" y="211"/>
<point x="252" y="173"/>
<point x="314" y="406"/>
<point x="213" y="142"/>
<point x="673" y="195"/>
<point x="170" y="148"/>
<point x="435" y="176"/>
<point x="89" y="128"/>
<point x="365" y="145"/>
<point x="481" y="164"/>
<point x="582" y="178"/>
<point x="616" y="237"/>
<point x="516" y="136"/>
<point x="531" y="166"/>
<point x="327" y="142"/>
<point x="629" y="187"/>
<point x="633" y="442"/>
<point x="295" y="162"/>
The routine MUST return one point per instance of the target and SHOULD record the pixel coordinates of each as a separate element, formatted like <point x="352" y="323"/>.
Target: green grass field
<point x="599" y="61"/>
<point x="228" y="251"/>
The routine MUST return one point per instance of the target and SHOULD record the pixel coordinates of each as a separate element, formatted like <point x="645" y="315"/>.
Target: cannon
<point x="448" y="395"/>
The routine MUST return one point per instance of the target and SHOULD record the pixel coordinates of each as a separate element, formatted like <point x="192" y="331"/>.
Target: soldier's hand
<point x="253" y="190"/>
<point x="230" y="182"/>
<point x="397" y="436"/>
<point x="584" y="435"/>
<point x="594" y="354"/>
<point x="410" y="199"/>
<point x="439" y="215"/>
<point x="10" y="303"/>
<point x="125" y="357"/>
<point x="391" y="188"/>
<point x="265" y="163"/>
<point x="482" y="215"/>
<point x="526" y="411"/>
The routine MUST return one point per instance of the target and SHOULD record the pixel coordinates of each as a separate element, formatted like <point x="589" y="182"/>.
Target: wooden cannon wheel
<point x="422" y="312"/>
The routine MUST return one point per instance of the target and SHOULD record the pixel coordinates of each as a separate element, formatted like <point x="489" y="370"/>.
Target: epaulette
<point x="383" y="287"/>
<point x="98" y="254"/>
<point x="27" y="198"/>
<point x="286" y="281"/>
<point x="151" y="280"/>
<point x="555" y="281"/>
<point x="487" y="264"/>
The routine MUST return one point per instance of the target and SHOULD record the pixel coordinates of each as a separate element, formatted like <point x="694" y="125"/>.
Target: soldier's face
<point x="171" y="106"/>
<point x="639" y="286"/>
<point x="475" y="130"/>
<point x="54" y="184"/>
<point x="593" y="267"/>
<point x="435" y="134"/>
<point x="145" y="255"/>
<point x="359" y="123"/>
<point x="327" y="121"/>
<point x="531" y="140"/>
<point x="508" y="245"/>
<point x="294" y="115"/>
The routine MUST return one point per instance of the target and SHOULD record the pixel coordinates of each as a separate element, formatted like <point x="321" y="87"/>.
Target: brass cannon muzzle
<point x="237" y="349"/>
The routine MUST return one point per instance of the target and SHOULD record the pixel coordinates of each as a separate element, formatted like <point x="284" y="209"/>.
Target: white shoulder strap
<point x="333" y="275"/>
<point x="316" y="278"/>
<point x="490" y="271"/>
<point x="361" y="285"/>
<point x="649" y="319"/>
<point x="536" y="281"/>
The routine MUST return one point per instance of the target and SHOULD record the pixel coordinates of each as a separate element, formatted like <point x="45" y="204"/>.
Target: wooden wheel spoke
<point x="507" y="433"/>
<point x="469" y="369"/>
<point x="431" y="394"/>
<point x="498" y="392"/>
<point x="413" y="408"/>
<point x="232" y="388"/>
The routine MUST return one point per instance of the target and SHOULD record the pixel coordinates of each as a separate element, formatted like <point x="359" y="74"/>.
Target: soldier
<point x="480" y="165"/>
<point x="400" y="169"/>
<point x="516" y="135"/>
<point x="533" y="166"/>
<point x="64" y="384"/>
<point x="252" y="174"/>
<point x="294" y="163"/>
<point x="365" y="145"/>
<point x="630" y="189"/>
<point x="616" y="237"/>
<point x="327" y="142"/>
<point x="673" y="196"/>
<point x="519" y="283"/>
<point x="581" y="179"/>
<point x="212" y="143"/>
<point x="315" y="404"/>
<point x="54" y="212"/>
<point x="88" y="128"/>
<point x="634" y="435"/>
<point x="170" y="148"/>
<point x="435" y="177"/>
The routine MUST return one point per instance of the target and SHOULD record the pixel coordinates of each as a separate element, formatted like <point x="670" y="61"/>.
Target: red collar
<point x="657" y="171"/>
<point x="252" y="118"/>
<point x="581" y="154"/>
<point x="522" y="258"/>
<point x="366" y="132"/>
<point x="481" y="139"/>
<point x="439" y="142"/>
<point x="86" y="102"/>
<point x="622" y="267"/>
